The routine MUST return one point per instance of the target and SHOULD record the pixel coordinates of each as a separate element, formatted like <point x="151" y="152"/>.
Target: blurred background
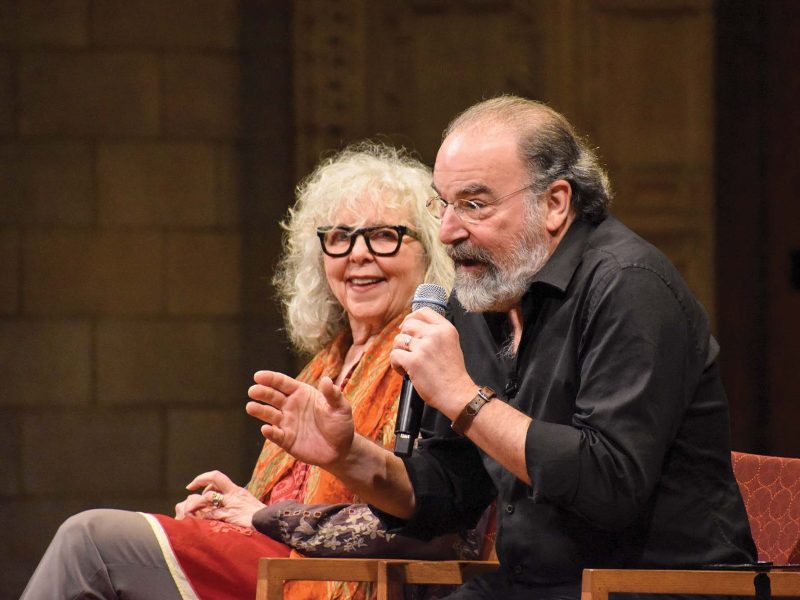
<point x="149" y="148"/>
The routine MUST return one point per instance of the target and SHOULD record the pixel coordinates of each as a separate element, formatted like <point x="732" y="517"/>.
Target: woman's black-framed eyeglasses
<point x="381" y="240"/>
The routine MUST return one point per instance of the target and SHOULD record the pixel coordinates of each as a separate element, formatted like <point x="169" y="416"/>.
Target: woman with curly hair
<point x="358" y="242"/>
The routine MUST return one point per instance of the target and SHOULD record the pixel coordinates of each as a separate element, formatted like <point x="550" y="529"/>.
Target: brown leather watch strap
<point x="463" y="420"/>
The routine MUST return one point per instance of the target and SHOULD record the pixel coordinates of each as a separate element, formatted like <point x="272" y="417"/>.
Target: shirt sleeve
<point x="451" y="485"/>
<point x="639" y="362"/>
<point x="351" y="530"/>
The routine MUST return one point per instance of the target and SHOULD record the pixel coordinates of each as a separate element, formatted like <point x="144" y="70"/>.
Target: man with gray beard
<point x="574" y="381"/>
<point x="508" y="277"/>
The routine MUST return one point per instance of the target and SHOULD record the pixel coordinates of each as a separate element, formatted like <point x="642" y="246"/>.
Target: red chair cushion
<point x="770" y="487"/>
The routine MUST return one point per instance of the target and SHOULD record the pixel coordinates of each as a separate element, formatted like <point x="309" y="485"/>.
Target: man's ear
<point x="558" y="206"/>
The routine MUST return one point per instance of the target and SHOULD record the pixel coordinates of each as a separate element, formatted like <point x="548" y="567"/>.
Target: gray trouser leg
<point x="103" y="554"/>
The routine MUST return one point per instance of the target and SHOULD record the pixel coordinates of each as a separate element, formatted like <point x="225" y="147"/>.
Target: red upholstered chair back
<point x="770" y="488"/>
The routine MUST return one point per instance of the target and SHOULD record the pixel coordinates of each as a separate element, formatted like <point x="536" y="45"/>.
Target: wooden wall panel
<point x="758" y="219"/>
<point x="647" y="100"/>
<point x="782" y="207"/>
<point x="635" y="76"/>
<point x="330" y="78"/>
<point x="402" y="70"/>
<point x="442" y="57"/>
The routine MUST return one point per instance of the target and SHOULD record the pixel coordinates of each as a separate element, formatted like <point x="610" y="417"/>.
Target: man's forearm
<point x="376" y="476"/>
<point x="500" y="430"/>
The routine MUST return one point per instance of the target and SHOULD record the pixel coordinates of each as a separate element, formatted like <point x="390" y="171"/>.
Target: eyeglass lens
<point x="470" y="211"/>
<point x="465" y="209"/>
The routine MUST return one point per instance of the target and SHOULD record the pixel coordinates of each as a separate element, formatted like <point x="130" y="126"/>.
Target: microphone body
<point x="410" y="405"/>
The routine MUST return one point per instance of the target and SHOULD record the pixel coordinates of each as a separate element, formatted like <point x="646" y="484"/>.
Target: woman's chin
<point x="372" y="317"/>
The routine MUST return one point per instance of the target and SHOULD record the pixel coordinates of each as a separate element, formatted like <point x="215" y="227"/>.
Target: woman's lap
<point x="220" y="560"/>
<point x="107" y="553"/>
<point x="103" y="553"/>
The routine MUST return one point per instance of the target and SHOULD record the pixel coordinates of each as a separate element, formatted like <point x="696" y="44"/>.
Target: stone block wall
<point x="144" y="163"/>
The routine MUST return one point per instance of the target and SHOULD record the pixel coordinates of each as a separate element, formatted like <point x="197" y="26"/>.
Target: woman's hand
<point x="313" y="425"/>
<point x="220" y="500"/>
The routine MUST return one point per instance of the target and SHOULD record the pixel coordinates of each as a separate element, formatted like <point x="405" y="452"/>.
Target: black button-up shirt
<point x="629" y="448"/>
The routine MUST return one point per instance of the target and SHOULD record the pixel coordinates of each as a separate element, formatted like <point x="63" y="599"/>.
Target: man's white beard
<point x="503" y="283"/>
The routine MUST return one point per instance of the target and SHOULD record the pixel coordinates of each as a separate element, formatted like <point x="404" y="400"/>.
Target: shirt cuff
<point x="552" y="461"/>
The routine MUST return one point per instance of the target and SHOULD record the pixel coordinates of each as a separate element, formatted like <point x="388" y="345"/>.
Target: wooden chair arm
<point x="274" y="572"/>
<point x="444" y="572"/>
<point x="388" y="574"/>
<point x="598" y="583"/>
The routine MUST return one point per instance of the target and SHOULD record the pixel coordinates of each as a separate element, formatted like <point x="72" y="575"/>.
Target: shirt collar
<point x="560" y="267"/>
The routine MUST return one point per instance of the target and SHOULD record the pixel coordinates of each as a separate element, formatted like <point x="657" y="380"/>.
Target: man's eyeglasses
<point x="381" y="240"/>
<point x="469" y="211"/>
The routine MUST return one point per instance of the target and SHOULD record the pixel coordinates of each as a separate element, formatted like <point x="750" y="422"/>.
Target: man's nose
<point x="451" y="227"/>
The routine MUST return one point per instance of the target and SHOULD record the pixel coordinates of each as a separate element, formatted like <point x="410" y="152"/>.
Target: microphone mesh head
<point x="430" y="295"/>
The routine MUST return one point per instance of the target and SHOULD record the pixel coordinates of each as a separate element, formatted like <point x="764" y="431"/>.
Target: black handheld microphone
<point x="410" y="405"/>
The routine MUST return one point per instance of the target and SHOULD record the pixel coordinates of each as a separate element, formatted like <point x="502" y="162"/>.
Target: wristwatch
<point x="464" y="419"/>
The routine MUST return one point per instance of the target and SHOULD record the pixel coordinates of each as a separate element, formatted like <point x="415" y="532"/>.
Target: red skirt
<point x="212" y="560"/>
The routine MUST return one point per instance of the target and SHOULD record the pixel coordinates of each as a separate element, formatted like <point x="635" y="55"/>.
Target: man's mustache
<point x="466" y="252"/>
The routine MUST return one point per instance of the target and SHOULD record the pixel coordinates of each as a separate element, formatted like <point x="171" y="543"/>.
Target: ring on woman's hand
<point x="216" y="499"/>
<point x="407" y="342"/>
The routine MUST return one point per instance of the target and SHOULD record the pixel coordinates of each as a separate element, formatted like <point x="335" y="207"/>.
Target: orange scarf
<point x="373" y="391"/>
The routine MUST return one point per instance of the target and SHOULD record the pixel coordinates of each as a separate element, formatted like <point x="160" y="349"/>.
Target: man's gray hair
<point x="550" y="147"/>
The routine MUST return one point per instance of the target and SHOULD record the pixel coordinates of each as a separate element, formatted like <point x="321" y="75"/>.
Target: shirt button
<point x="510" y="509"/>
<point x="518" y="570"/>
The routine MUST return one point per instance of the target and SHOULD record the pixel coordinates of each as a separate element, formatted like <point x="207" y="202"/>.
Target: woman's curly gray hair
<point x="388" y="177"/>
<point x="550" y="147"/>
